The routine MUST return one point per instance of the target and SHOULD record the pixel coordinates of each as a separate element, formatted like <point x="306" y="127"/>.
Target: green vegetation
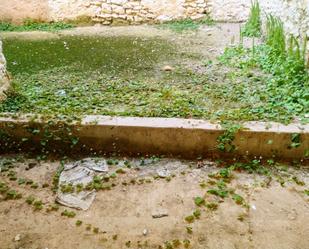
<point x="69" y="214"/>
<point x="199" y="201"/>
<point x="187" y="24"/>
<point x="284" y="93"/>
<point x="31" y="25"/>
<point x="123" y="77"/>
<point x="252" y="27"/>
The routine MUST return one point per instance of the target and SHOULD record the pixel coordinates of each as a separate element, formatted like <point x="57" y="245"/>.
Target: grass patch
<point x="187" y="24"/>
<point x="252" y="27"/>
<point x="284" y="93"/>
<point x="32" y="25"/>
<point x="123" y="77"/>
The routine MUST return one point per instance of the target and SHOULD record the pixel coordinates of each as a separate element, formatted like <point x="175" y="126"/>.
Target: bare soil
<point x="274" y="213"/>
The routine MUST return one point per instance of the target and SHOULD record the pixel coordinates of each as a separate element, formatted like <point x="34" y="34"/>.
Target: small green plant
<point x="189" y="230"/>
<point x="190" y="218"/>
<point x="69" y="214"/>
<point x="225" y="141"/>
<point x="37" y="205"/>
<point x="30" y="199"/>
<point x="238" y="199"/>
<point x="295" y="140"/>
<point x="199" y="201"/>
<point x="253" y="25"/>
<point x="306" y="192"/>
<point x="30" y="25"/>
<point x="12" y="195"/>
<point x="3" y="188"/>
<point x="67" y="188"/>
<point x="78" y="223"/>
<point x="95" y="230"/>
<point x="187" y="24"/>
<point x="297" y="181"/>
<point x="197" y="213"/>
<point x="212" y="206"/>
<point x="186" y="243"/>
<point x="120" y="171"/>
<point x="128" y="243"/>
<point x="52" y="208"/>
<point x="57" y="176"/>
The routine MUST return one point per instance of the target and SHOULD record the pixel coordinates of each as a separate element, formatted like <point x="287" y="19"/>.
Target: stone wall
<point x="18" y="10"/>
<point x="4" y="81"/>
<point x="294" y="13"/>
<point x="127" y="11"/>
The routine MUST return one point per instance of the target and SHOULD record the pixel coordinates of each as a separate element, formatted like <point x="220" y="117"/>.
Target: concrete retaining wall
<point x="164" y="136"/>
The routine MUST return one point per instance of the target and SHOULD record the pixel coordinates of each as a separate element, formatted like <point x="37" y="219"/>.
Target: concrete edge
<point x="187" y="138"/>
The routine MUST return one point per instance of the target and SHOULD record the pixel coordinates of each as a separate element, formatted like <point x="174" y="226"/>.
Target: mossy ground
<point x="122" y="75"/>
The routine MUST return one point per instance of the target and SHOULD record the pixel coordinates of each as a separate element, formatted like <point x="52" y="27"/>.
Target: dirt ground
<point x="272" y="212"/>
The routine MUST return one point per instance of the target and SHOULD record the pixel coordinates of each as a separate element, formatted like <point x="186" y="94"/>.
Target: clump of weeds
<point x="69" y="214"/>
<point x="37" y="205"/>
<point x="78" y="223"/>
<point x="199" y="201"/>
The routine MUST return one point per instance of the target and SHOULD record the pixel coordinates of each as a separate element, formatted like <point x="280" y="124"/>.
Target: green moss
<point x="31" y="25"/>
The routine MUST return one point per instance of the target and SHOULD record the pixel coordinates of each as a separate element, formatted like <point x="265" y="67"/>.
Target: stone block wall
<point x="294" y="13"/>
<point x="128" y="11"/>
<point x="4" y="80"/>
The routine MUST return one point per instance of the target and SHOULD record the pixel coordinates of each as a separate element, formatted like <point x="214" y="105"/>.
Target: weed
<point x="30" y="25"/>
<point x="3" y="188"/>
<point x="187" y="24"/>
<point x="67" y="188"/>
<point x="297" y="181"/>
<point x="30" y="199"/>
<point x="199" y="201"/>
<point x="88" y="227"/>
<point x="37" y="205"/>
<point x="203" y="184"/>
<point x="120" y="171"/>
<point x="52" y="208"/>
<point x="79" y="187"/>
<point x="295" y="141"/>
<point x="197" y="213"/>
<point x="128" y="243"/>
<point x="12" y="195"/>
<point x="115" y="237"/>
<point x="238" y="199"/>
<point x="57" y="176"/>
<point x="176" y="243"/>
<point x="95" y="230"/>
<point x="225" y="141"/>
<point x="306" y="192"/>
<point x="21" y="181"/>
<point x="190" y="218"/>
<point x="253" y="25"/>
<point x="218" y="192"/>
<point x="78" y="223"/>
<point x="34" y="185"/>
<point x="69" y="214"/>
<point x="212" y="206"/>
<point x="189" y="230"/>
<point x="186" y="243"/>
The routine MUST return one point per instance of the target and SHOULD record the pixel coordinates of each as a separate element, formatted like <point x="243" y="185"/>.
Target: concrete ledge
<point x="188" y="138"/>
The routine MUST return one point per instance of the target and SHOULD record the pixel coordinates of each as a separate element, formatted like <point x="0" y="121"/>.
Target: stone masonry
<point x="4" y="80"/>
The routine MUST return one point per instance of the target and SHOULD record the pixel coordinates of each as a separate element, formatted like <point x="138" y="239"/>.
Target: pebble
<point x="17" y="237"/>
<point x="163" y="173"/>
<point x="145" y="232"/>
<point x="167" y="68"/>
<point x="159" y="215"/>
